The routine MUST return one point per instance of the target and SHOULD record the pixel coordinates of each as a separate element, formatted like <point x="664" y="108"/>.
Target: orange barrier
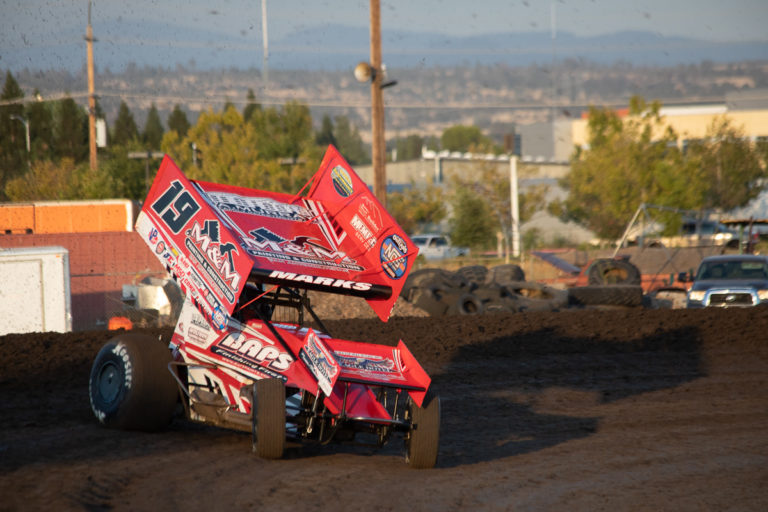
<point x="47" y="217"/>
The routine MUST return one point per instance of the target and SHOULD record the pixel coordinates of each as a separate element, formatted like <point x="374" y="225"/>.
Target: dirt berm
<point x="578" y="410"/>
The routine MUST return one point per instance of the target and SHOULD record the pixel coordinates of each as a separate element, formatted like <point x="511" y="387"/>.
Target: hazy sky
<point x="42" y="22"/>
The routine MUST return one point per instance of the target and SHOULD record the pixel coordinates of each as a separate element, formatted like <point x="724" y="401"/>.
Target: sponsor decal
<point x="322" y="281"/>
<point x="261" y="206"/>
<point x="370" y="212"/>
<point x="153" y="236"/>
<point x="193" y="327"/>
<point x="393" y="251"/>
<point x="301" y="250"/>
<point x="252" y="352"/>
<point x="215" y="258"/>
<point x="320" y="362"/>
<point x="176" y="206"/>
<point x="122" y="352"/>
<point x="342" y="183"/>
<point x="197" y="336"/>
<point x="218" y="318"/>
<point x="363" y="232"/>
<point x="160" y="249"/>
<point x="365" y="362"/>
<point x="200" y="323"/>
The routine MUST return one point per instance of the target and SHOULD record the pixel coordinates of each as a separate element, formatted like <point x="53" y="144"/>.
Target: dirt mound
<point x="577" y="410"/>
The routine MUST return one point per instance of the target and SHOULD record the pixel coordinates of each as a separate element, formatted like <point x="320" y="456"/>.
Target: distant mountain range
<point x="333" y="47"/>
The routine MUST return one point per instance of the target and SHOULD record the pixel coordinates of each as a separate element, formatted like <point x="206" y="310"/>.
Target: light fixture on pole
<point x="364" y="72"/>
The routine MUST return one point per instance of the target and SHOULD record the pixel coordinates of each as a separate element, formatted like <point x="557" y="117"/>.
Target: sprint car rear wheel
<point x="269" y="418"/>
<point x="422" y="441"/>
<point x="130" y="385"/>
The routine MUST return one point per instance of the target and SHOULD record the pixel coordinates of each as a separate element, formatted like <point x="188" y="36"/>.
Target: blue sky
<point x="43" y="24"/>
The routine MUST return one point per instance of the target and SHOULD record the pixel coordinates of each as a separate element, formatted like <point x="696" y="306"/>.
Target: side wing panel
<point x="195" y="246"/>
<point x="373" y="235"/>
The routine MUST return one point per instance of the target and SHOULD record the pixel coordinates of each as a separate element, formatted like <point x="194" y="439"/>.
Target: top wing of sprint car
<point x="214" y="238"/>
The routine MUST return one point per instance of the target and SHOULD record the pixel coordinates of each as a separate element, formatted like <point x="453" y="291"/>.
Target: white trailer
<point x="34" y="290"/>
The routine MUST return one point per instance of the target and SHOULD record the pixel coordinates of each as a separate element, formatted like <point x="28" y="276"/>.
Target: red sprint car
<point x="248" y="352"/>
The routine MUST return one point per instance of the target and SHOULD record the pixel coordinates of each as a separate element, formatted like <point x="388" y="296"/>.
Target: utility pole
<point x="378" y="149"/>
<point x="514" y="206"/>
<point x="91" y="95"/>
<point x="265" y="39"/>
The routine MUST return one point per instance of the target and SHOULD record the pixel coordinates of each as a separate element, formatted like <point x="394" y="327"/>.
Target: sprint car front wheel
<point x="423" y="439"/>
<point x="130" y="385"/>
<point x="269" y="418"/>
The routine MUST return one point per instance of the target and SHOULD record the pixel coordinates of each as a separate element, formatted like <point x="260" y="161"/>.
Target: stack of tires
<point x="476" y="289"/>
<point x="611" y="282"/>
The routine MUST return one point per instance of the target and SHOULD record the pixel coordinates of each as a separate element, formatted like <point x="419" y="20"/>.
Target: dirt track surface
<point x="577" y="410"/>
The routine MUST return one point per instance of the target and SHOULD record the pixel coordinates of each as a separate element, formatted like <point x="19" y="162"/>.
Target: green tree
<point x="729" y="167"/>
<point x="415" y="208"/>
<point x="62" y="180"/>
<point x="153" y="129"/>
<point x="124" y="130"/>
<point x="45" y="180"/>
<point x="349" y="142"/>
<point x="325" y="136"/>
<point x="70" y="131"/>
<point x="40" y="116"/>
<point x="251" y="106"/>
<point x="409" y="148"/>
<point x="494" y="190"/>
<point x="628" y="162"/>
<point x="283" y="133"/>
<point x="239" y="153"/>
<point x="637" y="160"/>
<point x="472" y="223"/>
<point x="128" y="176"/>
<point x="178" y="122"/>
<point x="465" y="138"/>
<point x="13" y="148"/>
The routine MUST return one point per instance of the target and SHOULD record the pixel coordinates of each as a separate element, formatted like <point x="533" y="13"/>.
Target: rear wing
<point x="214" y="238"/>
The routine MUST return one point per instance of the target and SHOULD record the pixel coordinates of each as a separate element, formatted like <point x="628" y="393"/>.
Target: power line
<point x="339" y="103"/>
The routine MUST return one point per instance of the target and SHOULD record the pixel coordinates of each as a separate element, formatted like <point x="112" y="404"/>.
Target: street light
<point x="26" y="125"/>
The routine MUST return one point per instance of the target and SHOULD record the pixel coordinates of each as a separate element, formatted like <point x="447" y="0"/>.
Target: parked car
<point x="437" y="247"/>
<point x="693" y="233"/>
<point x="739" y="280"/>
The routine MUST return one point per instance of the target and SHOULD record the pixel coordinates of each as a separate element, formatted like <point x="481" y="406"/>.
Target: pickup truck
<point x="437" y="247"/>
<point x="730" y="281"/>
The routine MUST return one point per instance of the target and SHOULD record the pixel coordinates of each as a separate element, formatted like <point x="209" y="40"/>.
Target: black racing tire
<point x="612" y="271"/>
<point x="473" y="275"/>
<point x="526" y="304"/>
<point x="423" y="439"/>
<point x="502" y="274"/>
<point x="490" y="292"/>
<point x="428" y="300"/>
<point x="613" y="295"/>
<point x="467" y="304"/>
<point x="427" y="278"/>
<point x="268" y="418"/>
<point x="503" y="305"/>
<point x="554" y="297"/>
<point x="130" y="384"/>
